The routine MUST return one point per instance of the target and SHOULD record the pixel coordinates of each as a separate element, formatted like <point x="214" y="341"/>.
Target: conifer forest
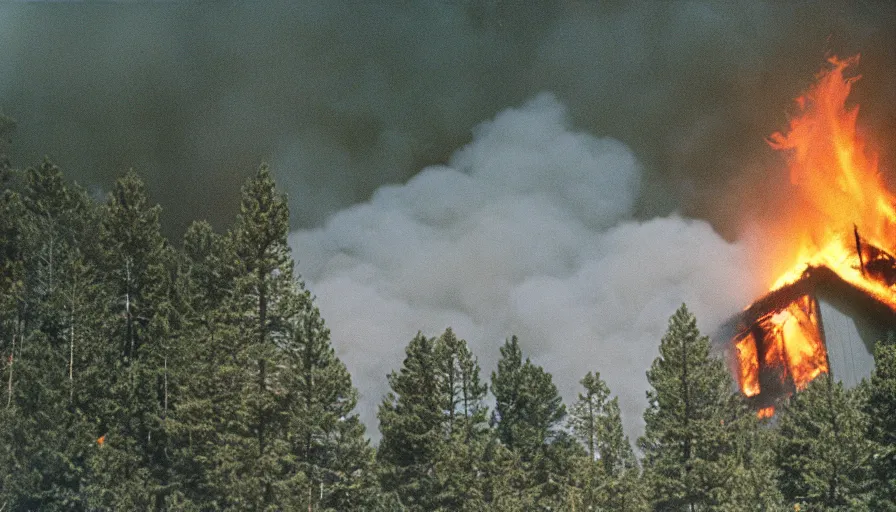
<point x="447" y="256"/>
<point x="142" y="373"/>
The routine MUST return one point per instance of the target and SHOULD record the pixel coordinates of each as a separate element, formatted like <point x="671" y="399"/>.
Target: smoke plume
<point x="528" y="230"/>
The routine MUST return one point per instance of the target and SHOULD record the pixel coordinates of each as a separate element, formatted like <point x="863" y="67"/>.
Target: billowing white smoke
<point x="527" y="231"/>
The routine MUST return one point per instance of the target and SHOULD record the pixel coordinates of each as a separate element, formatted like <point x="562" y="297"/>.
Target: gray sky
<point x="566" y="171"/>
<point x="342" y="97"/>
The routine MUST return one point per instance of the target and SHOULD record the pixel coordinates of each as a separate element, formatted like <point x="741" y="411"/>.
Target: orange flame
<point x="790" y="344"/>
<point x="766" y="412"/>
<point x="842" y="202"/>
<point x="798" y="342"/>
<point x="838" y="185"/>
<point x="748" y="365"/>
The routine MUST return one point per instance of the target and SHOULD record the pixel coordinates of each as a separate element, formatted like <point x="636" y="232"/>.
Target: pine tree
<point x="411" y="419"/>
<point x="207" y="382"/>
<point x="691" y="422"/>
<point x="325" y="432"/>
<point x="608" y="471"/>
<point x="459" y="462"/>
<point x="755" y="486"/>
<point x="881" y="412"/>
<point x="266" y="418"/>
<point x="12" y="277"/>
<point x="64" y="300"/>
<point x="433" y="426"/>
<point x="208" y="271"/>
<point x="528" y="420"/>
<point x="822" y="450"/>
<point x="132" y="469"/>
<point x="11" y="297"/>
<point x="252" y="470"/>
<point x="58" y="311"/>
<point x="528" y="410"/>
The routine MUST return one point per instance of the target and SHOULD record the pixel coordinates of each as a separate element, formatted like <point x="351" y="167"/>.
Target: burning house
<point x="838" y="297"/>
<point x="820" y="323"/>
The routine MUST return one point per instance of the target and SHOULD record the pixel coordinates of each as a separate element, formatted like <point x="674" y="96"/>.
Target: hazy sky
<point x="566" y="171"/>
<point x="343" y="97"/>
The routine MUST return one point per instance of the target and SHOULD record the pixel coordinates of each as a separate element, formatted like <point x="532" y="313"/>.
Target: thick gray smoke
<point x="527" y="230"/>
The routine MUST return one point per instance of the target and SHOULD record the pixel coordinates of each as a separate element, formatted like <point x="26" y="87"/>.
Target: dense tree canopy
<point x="141" y="374"/>
<point x="823" y="452"/>
<point x="881" y="412"/>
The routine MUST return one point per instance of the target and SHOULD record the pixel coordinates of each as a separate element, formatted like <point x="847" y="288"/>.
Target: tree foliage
<point x="433" y="426"/>
<point x="528" y="420"/>
<point x="823" y="453"/>
<point x="139" y="376"/>
<point x="691" y="422"/>
<point x="609" y="471"/>
<point x="880" y="408"/>
<point x="144" y="375"/>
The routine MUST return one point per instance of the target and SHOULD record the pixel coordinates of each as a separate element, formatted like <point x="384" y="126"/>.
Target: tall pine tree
<point x="609" y="474"/>
<point x="690" y="422"/>
<point x="528" y="410"/>
<point x="822" y="449"/>
<point x="57" y="311"/>
<point x="459" y="462"/>
<point x="528" y="420"/>
<point x="433" y="426"/>
<point x="411" y="420"/>
<point x="324" y="431"/>
<point x="253" y="470"/>
<point x="132" y="469"/>
<point x="207" y="380"/>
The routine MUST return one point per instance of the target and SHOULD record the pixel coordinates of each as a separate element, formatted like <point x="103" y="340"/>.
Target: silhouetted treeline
<point x="141" y="373"/>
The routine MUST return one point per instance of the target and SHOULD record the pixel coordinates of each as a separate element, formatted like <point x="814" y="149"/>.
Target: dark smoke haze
<point x="342" y="97"/>
<point x="661" y="109"/>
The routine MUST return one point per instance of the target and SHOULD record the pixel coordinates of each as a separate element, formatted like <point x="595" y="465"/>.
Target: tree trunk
<point x="11" y="361"/>
<point x="71" y="357"/>
<point x="262" y="374"/>
<point x="165" y="406"/>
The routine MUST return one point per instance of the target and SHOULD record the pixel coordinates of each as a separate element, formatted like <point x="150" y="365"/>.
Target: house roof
<point x="823" y="283"/>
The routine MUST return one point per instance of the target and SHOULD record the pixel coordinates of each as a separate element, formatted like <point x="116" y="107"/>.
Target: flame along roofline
<point x="819" y="280"/>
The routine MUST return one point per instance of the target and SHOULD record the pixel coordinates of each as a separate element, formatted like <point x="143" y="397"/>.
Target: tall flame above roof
<point x="839" y="185"/>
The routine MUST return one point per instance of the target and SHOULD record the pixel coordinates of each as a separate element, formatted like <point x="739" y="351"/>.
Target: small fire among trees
<point x="841" y="243"/>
